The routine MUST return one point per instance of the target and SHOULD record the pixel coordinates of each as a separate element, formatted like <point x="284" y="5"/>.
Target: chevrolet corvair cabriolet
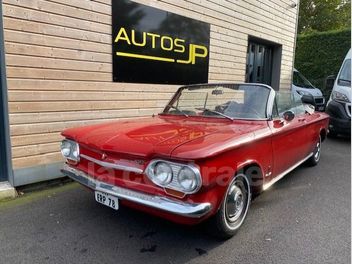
<point x="203" y="158"/>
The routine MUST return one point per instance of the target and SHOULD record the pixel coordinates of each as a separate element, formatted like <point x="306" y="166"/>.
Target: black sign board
<point x="154" y="46"/>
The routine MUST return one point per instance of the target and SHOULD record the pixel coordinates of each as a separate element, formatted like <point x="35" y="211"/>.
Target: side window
<point x="297" y="80"/>
<point x="286" y="101"/>
<point x="298" y="105"/>
<point x="345" y="75"/>
<point x="275" y="112"/>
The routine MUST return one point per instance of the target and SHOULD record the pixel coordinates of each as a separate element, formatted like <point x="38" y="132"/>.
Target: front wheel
<point x="233" y="211"/>
<point x="314" y="160"/>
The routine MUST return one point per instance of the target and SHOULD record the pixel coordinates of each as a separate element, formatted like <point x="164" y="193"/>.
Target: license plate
<point x="107" y="199"/>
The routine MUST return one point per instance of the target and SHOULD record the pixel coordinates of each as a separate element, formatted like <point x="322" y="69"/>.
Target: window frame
<point x="269" y="103"/>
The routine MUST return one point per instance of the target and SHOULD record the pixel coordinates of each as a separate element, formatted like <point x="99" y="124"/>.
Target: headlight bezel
<point x="339" y="97"/>
<point x="74" y="155"/>
<point x="155" y="178"/>
<point x="176" y="168"/>
<point x="194" y="172"/>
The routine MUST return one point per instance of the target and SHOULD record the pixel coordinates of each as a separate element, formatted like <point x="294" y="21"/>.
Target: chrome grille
<point x="174" y="183"/>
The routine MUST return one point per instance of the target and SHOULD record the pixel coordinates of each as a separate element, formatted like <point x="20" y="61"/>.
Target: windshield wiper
<point x="178" y="110"/>
<point x="215" y="112"/>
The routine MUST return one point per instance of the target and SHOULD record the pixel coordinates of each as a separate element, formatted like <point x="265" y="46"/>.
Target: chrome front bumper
<point x="192" y="210"/>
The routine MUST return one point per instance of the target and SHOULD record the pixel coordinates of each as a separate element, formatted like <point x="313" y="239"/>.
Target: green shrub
<point x="320" y="54"/>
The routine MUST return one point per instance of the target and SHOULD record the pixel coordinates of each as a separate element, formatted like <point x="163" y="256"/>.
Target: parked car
<point x="202" y="158"/>
<point x="304" y="88"/>
<point x="339" y="104"/>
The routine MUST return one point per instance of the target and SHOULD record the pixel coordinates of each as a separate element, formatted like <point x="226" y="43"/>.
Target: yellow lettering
<point x="171" y="43"/>
<point x="193" y="54"/>
<point x="199" y="55"/>
<point x="190" y="56"/>
<point x="179" y="45"/>
<point x="145" y="57"/>
<point x="144" y="41"/>
<point x="122" y="35"/>
<point x="166" y="43"/>
<point x="153" y="36"/>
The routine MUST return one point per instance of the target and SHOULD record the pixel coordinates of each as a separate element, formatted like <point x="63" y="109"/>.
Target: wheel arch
<point x="256" y="176"/>
<point x="218" y="221"/>
<point x="323" y="134"/>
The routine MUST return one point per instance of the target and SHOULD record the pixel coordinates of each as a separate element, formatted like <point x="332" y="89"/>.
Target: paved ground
<point x="304" y="218"/>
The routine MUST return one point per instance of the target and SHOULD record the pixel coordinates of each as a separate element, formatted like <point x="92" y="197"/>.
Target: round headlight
<point x="66" y="148"/>
<point x="162" y="173"/>
<point x="187" y="179"/>
<point x="70" y="150"/>
<point x="75" y="153"/>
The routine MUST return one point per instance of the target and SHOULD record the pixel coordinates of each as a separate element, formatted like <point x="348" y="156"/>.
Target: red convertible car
<point x="203" y="158"/>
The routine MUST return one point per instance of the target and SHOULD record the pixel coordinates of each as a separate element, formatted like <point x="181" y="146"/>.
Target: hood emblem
<point x="104" y="156"/>
<point x="140" y="162"/>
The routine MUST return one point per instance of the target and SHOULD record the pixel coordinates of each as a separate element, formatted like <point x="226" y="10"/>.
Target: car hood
<point x="165" y="136"/>
<point x="314" y="92"/>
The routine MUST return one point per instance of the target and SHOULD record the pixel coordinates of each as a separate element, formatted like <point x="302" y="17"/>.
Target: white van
<point x="339" y="104"/>
<point x="303" y="87"/>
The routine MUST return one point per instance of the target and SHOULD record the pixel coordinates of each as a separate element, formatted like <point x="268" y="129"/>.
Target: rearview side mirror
<point x="288" y="116"/>
<point x="329" y="82"/>
<point x="308" y="99"/>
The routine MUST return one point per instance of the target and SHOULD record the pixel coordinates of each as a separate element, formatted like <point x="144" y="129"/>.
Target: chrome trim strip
<point x="270" y="104"/>
<point x="110" y="165"/>
<point x="280" y="176"/>
<point x="192" y="210"/>
<point x="268" y="174"/>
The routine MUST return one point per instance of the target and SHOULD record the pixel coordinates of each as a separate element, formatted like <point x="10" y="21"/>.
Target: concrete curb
<point x="7" y="191"/>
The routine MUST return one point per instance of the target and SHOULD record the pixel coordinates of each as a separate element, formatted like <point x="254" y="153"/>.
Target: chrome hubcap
<point x="235" y="203"/>
<point x="317" y="150"/>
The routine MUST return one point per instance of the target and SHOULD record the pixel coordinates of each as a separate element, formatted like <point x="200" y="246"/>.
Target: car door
<point x="288" y="137"/>
<point x="309" y="126"/>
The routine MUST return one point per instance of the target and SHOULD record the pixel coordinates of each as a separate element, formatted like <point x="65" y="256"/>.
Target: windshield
<point x="345" y="75"/>
<point x="231" y="101"/>
<point x="301" y="81"/>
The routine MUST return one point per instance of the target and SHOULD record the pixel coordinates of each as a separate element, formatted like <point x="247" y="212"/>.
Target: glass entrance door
<point x="259" y="63"/>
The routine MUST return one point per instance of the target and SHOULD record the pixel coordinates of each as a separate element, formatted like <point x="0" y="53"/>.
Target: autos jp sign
<point x="155" y="46"/>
